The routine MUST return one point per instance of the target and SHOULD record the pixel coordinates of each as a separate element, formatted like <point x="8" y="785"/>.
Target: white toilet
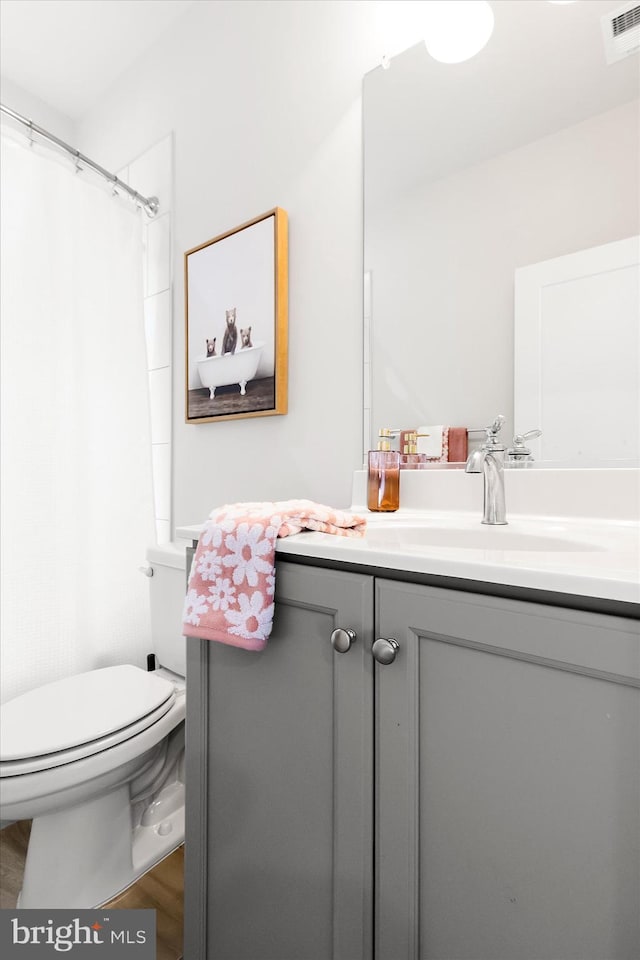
<point x="97" y="761"/>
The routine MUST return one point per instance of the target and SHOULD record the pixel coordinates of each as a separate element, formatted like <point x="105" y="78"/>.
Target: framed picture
<point x="236" y="316"/>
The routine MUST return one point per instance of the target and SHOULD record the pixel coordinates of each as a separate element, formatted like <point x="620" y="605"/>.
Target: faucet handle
<point x="520" y="438"/>
<point x="496" y="426"/>
<point x="519" y="450"/>
<point x="492" y="431"/>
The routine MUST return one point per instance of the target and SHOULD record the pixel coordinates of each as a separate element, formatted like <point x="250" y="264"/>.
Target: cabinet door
<point x="280" y="783"/>
<point x="508" y="781"/>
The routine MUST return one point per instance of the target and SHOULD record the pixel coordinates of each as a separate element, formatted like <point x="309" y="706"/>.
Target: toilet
<point x="96" y="760"/>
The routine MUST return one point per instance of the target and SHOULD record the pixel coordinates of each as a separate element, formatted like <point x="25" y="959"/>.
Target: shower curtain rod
<point x="149" y="204"/>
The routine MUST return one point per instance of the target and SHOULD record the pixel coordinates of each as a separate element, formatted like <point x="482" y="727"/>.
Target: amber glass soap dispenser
<point x="383" y="481"/>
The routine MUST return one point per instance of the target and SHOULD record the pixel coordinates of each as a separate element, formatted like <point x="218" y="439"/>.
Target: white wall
<point x="37" y="110"/>
<point x="264" y="101"/>
<point x="442" y="265"/>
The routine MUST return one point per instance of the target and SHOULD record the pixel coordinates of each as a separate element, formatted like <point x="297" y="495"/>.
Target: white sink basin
<point x="413" y="536"/>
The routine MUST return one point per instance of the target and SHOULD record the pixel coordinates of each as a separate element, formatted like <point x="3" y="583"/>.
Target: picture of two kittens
<point x="230" y="339"/>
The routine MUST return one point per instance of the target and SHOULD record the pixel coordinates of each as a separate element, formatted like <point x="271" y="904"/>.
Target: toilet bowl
<point x="96" y="760"/>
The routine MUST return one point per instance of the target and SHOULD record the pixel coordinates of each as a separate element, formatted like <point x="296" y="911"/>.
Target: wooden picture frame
<point x="236" y="322"/>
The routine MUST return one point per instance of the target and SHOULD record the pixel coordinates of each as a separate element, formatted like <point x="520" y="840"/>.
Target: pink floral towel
<point x="232" y="580"/>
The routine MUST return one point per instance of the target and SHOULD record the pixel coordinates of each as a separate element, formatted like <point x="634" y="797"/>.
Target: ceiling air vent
<point x="621" y="31"/>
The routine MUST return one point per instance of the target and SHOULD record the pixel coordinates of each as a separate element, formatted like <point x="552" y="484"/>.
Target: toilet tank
<point x="167" y="588"/>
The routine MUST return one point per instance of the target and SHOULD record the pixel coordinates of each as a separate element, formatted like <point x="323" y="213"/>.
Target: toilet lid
<point x="78" y="710"/>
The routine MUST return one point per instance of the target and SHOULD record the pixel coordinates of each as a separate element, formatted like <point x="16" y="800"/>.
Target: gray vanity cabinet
<point x="476" y="798"/>
<point x="508" y="780"/>
<point x="278" y="848"/>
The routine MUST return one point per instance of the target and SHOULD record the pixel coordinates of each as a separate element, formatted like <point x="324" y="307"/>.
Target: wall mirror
<point x="474" y="172"/>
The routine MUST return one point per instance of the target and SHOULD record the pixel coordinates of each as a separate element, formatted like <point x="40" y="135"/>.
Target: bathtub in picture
<point x="230" y="368"/>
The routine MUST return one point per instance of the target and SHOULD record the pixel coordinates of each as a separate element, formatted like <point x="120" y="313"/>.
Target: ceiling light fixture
<point x="453" y="30"/>
<point x="457" y="31"/>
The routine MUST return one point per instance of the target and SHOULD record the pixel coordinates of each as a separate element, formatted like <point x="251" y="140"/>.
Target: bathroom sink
<point x="390" y="535"/>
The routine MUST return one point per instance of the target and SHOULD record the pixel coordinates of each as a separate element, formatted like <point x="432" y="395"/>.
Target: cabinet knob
<point x="341" y="640"/>
<point x="384" y="651"/>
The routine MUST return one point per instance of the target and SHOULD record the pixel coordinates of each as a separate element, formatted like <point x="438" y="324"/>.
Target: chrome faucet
<point x="489" y="460"/>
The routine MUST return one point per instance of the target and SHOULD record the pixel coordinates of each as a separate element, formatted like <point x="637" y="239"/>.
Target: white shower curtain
<point x="77" y="503"/>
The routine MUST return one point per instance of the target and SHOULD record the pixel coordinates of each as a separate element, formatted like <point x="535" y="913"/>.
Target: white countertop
<point x="603" y="559"/>
<point x="569" y="531"/>
<point x="586" y="558"/>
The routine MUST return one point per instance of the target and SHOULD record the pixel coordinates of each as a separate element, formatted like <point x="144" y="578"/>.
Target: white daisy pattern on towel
<point x="246" y="551"/>
<point x="194" y="605"/>
<point x="209" y="565"/>
<point x="212" y="535"/>
<point x="252" y="620"/>
<point x="222" y="594"/>
<point x="231" y="592"/>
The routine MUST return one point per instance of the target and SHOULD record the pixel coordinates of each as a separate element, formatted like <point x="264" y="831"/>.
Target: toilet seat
<point x="79" y="716"/>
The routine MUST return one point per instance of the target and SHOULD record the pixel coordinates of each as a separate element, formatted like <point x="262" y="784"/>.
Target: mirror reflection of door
<point x="577" y="355"/>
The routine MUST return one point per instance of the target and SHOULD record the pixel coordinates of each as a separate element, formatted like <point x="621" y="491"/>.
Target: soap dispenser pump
<point x="411" y="459"/>
<point x="383" y="480"/>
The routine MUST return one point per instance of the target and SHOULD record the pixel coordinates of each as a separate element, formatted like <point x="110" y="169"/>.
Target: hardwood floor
<point x="161" y="889"/>
<point x="13" y="851"/>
